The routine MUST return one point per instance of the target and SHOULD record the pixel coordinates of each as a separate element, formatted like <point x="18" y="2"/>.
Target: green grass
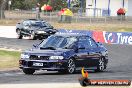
<point x="111" y="27"/>
<point x="9" y="59"/>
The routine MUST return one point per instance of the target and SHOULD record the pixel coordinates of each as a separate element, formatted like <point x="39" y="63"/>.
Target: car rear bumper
<point x="45" y="65"/>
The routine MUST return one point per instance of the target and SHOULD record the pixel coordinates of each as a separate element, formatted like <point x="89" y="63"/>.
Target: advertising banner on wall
<point x="113" y="37"/>
<point x="105" y="37"/>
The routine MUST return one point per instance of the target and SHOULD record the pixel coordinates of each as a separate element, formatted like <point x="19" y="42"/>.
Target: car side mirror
<point x="35" y="45"/>
<point x="52" y="26"/>
<point x="81" y="47"/>
<point x="99" y="43"/>
<point x="56" y="30"/>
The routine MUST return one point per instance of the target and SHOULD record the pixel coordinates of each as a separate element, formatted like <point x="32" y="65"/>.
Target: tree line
<point x="30" y="4"/>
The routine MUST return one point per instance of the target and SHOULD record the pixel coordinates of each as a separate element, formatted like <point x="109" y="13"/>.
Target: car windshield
<point x="55" y="42"/>
<point x="33" y="23"/>
<point x="46" y="24"/>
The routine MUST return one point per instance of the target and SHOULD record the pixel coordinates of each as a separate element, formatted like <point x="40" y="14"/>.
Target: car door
<point x="93" y="52"/>
<point x="88" y="52"/>
<point x="82" y="52"/>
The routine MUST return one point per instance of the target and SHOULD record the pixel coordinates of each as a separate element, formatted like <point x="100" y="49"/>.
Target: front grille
<point x="36" y="57"/>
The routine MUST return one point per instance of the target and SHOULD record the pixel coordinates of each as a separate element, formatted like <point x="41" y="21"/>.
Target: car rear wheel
<point x="28" y="71"/>
<point x="32" y="36"/>
<point x="101" y="65"/>
<point x="19" y="36"/>
<point x="71" y="68"/>
<point x="46" y="36"/>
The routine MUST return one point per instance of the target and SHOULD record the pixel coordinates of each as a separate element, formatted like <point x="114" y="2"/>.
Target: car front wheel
<point x="28" y="71"/>
<point x="32" y="36"/>
<point x="71" y="68"/>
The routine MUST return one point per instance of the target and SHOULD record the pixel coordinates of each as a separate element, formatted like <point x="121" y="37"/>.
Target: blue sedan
<point x="65" y="53"/>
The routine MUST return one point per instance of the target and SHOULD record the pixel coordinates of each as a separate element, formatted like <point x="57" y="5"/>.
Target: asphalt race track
<point x="120" y="66"/>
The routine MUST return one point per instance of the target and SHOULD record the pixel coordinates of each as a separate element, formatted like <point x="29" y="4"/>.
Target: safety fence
<point x="79" y="16"/>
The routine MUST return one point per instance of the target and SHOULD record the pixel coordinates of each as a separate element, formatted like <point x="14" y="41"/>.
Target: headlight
<point x="41" y="32"/>
<point x="56" y="57"/>
<point x="26" y="27"/>
<point x="25" y="56"/>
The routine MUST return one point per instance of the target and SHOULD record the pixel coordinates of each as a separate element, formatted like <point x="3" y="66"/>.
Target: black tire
<point x="28" y="71"/>
<point x="19" y="35"/>
<point x="45" y="37"/>
<point x="71" y="67"/>
<point x="101" y="65"/>
<point x="32" y="36"/>
<point x="84" y="82"/>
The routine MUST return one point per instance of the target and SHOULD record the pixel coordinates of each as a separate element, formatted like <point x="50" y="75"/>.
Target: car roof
<point x="38" y="20"/>
<point x="35" y="19"/>
<point x="70" y="34"/>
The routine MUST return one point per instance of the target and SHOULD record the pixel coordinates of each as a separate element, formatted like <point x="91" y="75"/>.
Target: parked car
<point x="65" y="53"/>
<point x="34" y="29"/>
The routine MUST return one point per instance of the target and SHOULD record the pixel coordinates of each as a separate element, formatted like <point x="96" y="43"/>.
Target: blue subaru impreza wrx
<point x="65" y="53"/>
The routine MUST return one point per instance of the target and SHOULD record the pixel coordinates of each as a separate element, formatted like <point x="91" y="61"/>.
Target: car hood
<point x="58" y="52"/>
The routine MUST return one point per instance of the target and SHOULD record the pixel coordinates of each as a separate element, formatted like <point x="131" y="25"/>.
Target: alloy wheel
<point x="101" y="65"/>
<point x="71" y="66"/>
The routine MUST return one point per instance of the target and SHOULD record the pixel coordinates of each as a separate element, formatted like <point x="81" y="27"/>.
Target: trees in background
<point x="57" y="4"/>
<point x="23" y="4"/>
<point x="3" y="6"/>
<point x="78" y="3"/>
<point x="29" y="4"/>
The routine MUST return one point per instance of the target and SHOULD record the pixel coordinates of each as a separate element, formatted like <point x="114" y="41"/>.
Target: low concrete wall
<point x="8" y="31"/>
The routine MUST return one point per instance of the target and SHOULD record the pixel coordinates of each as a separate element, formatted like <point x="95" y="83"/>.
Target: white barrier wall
<point x="8" y="31"/>
<point x="129" y="8"/>
<point x="113" y="5"/>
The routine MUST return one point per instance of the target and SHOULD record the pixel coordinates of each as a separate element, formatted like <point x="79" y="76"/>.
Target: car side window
<point x="87" y="42"/>
<point x="44" y="25"/>
<point x="82" y="42"/>
<point x="91" y="43"/>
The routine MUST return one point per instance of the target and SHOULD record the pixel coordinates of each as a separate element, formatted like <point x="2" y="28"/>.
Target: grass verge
<point x="111" y="26"/>
<point x="9" y="59"/>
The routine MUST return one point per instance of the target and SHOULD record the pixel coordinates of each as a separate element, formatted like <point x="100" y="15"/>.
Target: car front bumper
<point x="52" y="65"/>
<point x="41" y="34"/>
